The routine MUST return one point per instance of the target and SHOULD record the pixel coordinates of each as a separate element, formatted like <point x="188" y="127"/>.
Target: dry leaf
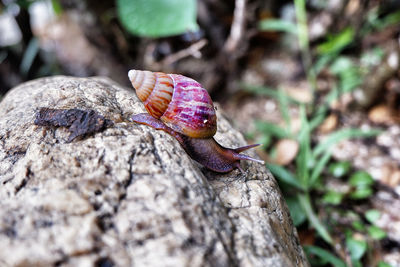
<point x="329" y="124"/>
<point x="381" y="114"/>
<point x="301" y="93"/>
<point x="307" y="237"/>
<point x="390" y="176"/>
<point x="286" y="151"/>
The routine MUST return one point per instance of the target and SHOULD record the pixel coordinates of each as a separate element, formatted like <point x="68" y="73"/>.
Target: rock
<point x="129" y="195"/>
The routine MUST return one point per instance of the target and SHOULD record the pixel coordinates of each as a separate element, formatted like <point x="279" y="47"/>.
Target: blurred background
<point x="317" y="82"/>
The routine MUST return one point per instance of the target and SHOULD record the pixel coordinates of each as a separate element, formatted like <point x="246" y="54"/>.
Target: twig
<point x="193" y="50"/>
<point x="238" y="25"/>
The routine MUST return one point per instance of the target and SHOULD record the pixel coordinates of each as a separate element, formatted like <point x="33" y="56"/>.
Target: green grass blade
<point x="29" y="56"/>
<point x="283" y="100"/>
<point x="273" y="129"/>
<point x="341" y="135"/>
<point x="318" y="117"/>
<point x="305" y="202"/>
<point x="260" y="90"/>
<point x="319" y="167"/>
<point x="325" y="255"/>
<point x="338" y="42"/>
<point x="284" y="175"/>
<point x="277" y="25"/>
<point x="302" y="28"/>
<point x="266" y="91"/>
<point x="304" y="157"/>
<point x="323" y="61"/>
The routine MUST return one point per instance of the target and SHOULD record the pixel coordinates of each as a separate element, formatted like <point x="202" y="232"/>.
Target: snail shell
<point x="181" y="107"/>
<point x="180" y="102"/>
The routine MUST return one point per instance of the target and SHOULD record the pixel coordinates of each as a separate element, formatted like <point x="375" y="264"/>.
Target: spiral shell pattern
<point x="180" y="102"/>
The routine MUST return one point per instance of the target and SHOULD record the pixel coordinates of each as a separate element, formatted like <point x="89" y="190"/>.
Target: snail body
<point x="181" y="107"/>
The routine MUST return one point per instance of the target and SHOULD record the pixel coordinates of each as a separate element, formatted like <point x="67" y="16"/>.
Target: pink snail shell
<point x="180" y="102"/>
<point x="181" y="107"/>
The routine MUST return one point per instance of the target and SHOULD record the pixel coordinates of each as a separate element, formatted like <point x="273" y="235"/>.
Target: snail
<point x="181" y="107"/>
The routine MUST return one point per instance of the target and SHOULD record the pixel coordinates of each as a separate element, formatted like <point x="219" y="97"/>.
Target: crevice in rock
<point x="61" y="261"/>
<point x="25" y="180"/>
<point x="130" y="179"/>
<point x="105" y="221"/>
<point x="230" y="251"/>
<point x="15" y="154"/>
<point x="104" y="262"/>
<point x="117" y="104"/>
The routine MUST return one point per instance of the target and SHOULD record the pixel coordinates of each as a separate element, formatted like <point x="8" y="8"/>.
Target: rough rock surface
<point x="127" y="196"/>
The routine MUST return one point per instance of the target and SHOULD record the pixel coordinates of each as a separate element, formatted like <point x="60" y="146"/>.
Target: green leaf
<point x="362" y="192"/>
<point x="284" y="175"/>
<point x="362" y="182"/>
<point x="350" y="79"/>
<point x="24" y="3"/>
<point x="361" y="179"/>
<point x="357" y="248"/>
<point x="296" y="211"/>
<point x="158" y="18"/>
<point x="372" y="215"/>
<point x="372" y="57"/>
<point x="376" y="233"/>
<point x="333" y="197"/>
<point x="305" y="203"/>
<point x="379" y="23"/>
<point x="358" y="225"/>
<point x="273" y="129"/>
<point x="391" y="19"/>
<point x="349" y="73"/>
<point x="339" y="169"/>
<point x="336" y="43"/>
<point x="324" y="255"/>
<point x="384" y="264"/>
<point x="277" y="25"/>
<point x="340" y="135"/>
<point x="57" y="8"/>
<point x="340" y="64"/>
